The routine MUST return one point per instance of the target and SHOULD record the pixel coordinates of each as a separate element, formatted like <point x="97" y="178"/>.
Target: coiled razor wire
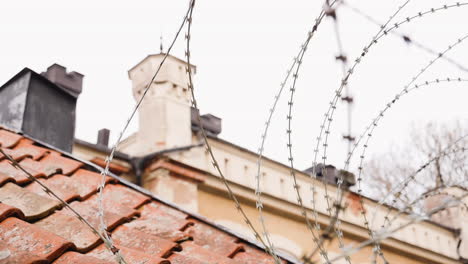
<point x="388" y="232"/>
<point x="328" y="116"/>
<point x="403" y="184"/>
<point x="268" y="245"/>
<point x="374" y="125"/>
<point x="109" y="158"/>
<point x="296" y="64"/>
<point x="382" y="33"/>
<point x="326" y="123"/>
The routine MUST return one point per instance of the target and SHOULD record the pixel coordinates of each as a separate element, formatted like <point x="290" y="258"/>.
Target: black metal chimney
<point x="43" y="109"/>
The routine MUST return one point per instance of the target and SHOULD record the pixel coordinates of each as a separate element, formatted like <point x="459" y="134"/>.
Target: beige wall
<point x="239" y="167"/>
<point x="283" y="229"/>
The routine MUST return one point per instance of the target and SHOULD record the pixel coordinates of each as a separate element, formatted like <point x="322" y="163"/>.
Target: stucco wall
<point x="221" y="210"/>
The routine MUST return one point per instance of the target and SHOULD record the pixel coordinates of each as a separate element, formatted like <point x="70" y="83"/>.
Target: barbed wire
<point x="412" y="177"/>
<point x="380" y="116"/>
<point x="405" y="37"/>
<point x="384" y="33"/>
<point x="316" y="225"/>
<point x="404" y="184"/>
<point x="289" y="144"/>
<point x="426" y="195"/>
<point x="325" y="129"/>
<point x="435" y="191"/>
<point x="387" y="107"/>
<point x="388" y="232"/>
<point x="374" y="125"/>
<point x="335" y="224"/>
<point x="297" y="62"/>
<point x="400" y="186"/>
<point x="268" y="245"/>
<point x="109" y="158"/>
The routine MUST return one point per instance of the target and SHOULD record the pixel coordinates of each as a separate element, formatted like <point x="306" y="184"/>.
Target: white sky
<point x="242" y="50"/>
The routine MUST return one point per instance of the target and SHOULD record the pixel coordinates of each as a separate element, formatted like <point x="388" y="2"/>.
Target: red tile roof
<point x="35" y="228"/>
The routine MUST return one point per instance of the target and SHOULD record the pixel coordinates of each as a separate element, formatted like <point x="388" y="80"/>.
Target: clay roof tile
<point x="130" y="255"/>
<point x="8" y="139"/>
<point x="10" y="173"/>
<point x="32" y="205"/>
<point x="61" y="185"/>
<point x="67" y="166"/>
<point x="26" y="145"/>
<point x="27" y="243"/>
<point x="71" y="257"/>
<point x="37" y="228"/>
<point x="8" y="211"/>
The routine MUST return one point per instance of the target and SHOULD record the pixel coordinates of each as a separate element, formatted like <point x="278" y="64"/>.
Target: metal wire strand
<point x="383" y="32"/>
<point x="232" y="196"/>
<point x="105" y="172"/>
<point x="406" y="38"/>
<point x="326" y="125"/>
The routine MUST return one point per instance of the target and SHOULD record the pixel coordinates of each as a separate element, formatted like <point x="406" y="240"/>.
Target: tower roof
<point x="162" y="55"/>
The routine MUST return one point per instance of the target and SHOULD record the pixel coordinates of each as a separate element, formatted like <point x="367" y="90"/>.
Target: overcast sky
<point x="242" y="50"/>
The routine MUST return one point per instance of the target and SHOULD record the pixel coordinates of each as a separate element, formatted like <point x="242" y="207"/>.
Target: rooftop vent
<point x="103" y="137"/>
<point x="211" y="123"/>
<point x="42" y="106"/>
<point x="71" y="82"/>
<point x="331" y="175"/>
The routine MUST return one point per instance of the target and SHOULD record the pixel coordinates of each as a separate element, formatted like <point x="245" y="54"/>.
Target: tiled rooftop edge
<point x="70" y="169"/>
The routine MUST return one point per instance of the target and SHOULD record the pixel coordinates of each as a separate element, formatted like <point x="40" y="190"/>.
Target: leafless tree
<point x="442" y="144"/>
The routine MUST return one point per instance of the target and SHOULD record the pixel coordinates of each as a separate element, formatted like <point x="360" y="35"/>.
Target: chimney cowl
<point x="37" y="107"/>
<point x="70" y="82"/>
<point x="211" y="123"/>
<point x="103" y="137"/>
<point x="331" y="175"/>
